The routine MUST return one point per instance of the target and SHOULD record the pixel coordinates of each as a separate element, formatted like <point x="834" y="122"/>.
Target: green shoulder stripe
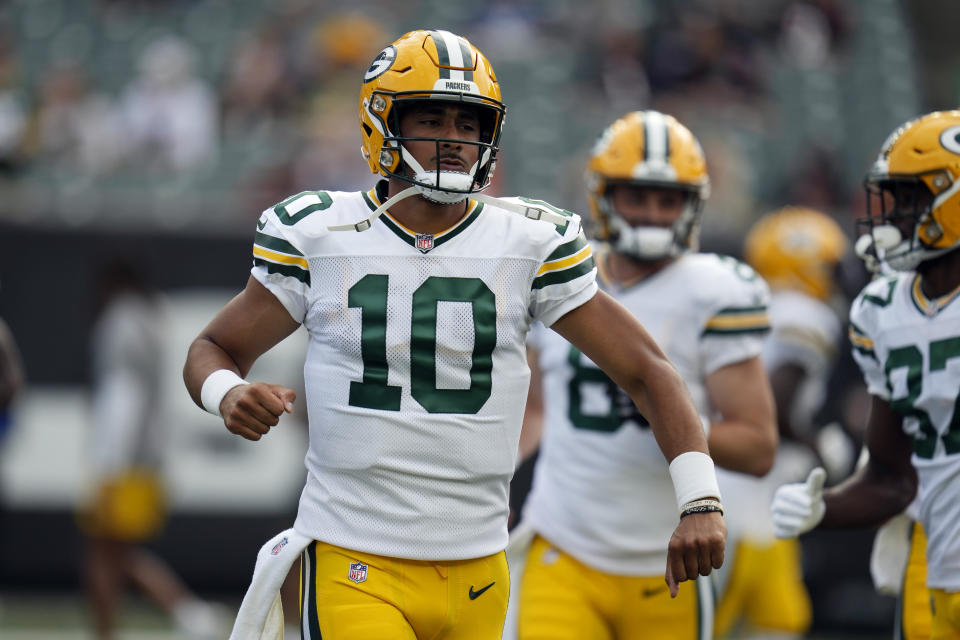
<point x="275" y="244"/>
<point x="564" y="275"/>
<point x="567" y="249"/>
<point x="288" y="270"/>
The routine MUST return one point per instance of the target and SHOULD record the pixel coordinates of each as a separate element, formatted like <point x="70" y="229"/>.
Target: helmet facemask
<point x="649" y="243"/>
<point x="442" y="186"/>
<point x="900" y="227"/>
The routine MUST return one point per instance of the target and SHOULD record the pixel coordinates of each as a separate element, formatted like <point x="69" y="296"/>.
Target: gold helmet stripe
<point x="453" y="51"/>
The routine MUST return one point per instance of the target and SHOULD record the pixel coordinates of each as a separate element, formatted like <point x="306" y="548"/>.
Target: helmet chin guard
<point x="643" y="243"/>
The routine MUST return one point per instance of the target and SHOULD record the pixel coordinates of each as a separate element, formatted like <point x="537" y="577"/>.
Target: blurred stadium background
<point x="159" y="129"/>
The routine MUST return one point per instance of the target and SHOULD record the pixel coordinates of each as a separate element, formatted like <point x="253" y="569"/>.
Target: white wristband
<point x="693" y="477"/>
<point x="216" y="386"/>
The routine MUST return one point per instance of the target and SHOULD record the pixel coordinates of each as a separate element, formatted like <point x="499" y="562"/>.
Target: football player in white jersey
<point x="418" y="296"/>
<point x="905" y="332"/>
<point x="601" y="505"/>
<point x="796" y="250"/>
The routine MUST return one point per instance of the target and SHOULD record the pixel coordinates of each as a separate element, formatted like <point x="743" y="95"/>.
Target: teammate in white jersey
<point x="418" y="296"/>
<point x="796" y="250"/>
<point x="905" y="331"/>
<point x="601" y="505"/>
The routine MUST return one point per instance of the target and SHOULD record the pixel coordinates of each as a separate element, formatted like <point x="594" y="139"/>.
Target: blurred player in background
<point x="418" y="295"/>
<point x="11" y="377"/>
<point x="602" y="505"/>
<point x="126" y="448"/>
<point x="905" y="331"/>
<point x="797" y="251"/>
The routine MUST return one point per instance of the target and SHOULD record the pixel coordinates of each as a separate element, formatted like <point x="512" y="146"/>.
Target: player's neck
<point x="940" y="276"/>
<point x="420" y="215"/>
<point x="626" y="270"/>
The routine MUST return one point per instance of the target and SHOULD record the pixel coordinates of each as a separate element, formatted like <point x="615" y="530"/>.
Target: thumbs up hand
<point x="799" y="507"/>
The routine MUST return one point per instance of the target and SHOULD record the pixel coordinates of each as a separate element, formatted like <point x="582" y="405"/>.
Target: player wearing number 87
<point x="905" y="334"/>
<point x="417" y="296"/>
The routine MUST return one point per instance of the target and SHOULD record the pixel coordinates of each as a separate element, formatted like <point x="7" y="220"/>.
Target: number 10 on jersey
<point x="373" y="392"/>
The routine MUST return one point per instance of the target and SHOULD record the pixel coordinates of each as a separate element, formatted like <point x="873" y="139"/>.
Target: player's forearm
<point x="203" y="358"/>
<point x="663" y="398"/>
<point x="741" y="446"/>
<point x="868" y="498"/>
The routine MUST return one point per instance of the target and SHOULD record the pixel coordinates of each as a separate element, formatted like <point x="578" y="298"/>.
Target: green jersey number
<point x="621" y="408"/>
<point x="910" y="358"/>
<point x="373" y="392"/>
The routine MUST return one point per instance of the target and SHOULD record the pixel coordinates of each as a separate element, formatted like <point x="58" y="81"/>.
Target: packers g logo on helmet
<point x="796" y="248"/>
<point x="913" y="193"/>
<point x="648" y="149"/>
<point x="381" y="63"/>
<point x="429" y="65"/>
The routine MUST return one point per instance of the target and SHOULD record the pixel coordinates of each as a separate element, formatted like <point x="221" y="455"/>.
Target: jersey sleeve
<point x="863" y="325"/>
<point x="737" y="316"/>
<point x="567" y="277"/>
<point x="280" y="266"/>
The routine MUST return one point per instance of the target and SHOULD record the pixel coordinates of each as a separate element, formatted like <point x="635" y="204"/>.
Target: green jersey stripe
<point x="567" y="249"/>
<point x="737" y="331"/>
<point x="857" y="330"/>
<point x="564" y="275"/>
<point x="737" y="311"/>
<point x="291" y="271"/>
<point x="275" y="244"/>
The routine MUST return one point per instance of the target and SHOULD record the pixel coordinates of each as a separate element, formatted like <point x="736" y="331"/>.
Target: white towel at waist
<point x="261" y="614"/>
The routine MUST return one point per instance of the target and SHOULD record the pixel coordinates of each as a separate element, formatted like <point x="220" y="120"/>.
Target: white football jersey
<point x="416" y="373"/>
<point x="908" y="348"/>
<point x="602" y="489"/>
<point x="803" y="331"/>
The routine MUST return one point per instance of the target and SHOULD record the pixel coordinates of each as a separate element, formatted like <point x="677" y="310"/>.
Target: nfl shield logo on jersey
<point x="358" y="572"/>
<point x="424" y="241"/>
<point x="280" y="545"/>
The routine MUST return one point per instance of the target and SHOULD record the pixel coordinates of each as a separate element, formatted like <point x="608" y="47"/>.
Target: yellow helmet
<point x="913" y="193"/>
<point x="429" y="65"/>
<point x="797" y="248"/>
<point x="650" y="149"/>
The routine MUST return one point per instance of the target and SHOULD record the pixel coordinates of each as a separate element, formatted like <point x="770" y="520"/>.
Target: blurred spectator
<point x="127" y="443"/>
<point x="813" y="32"/>
<point x="74" y="128"/>
<point x="258" y="86"/>
<point x="13" y="118"/>
<point x="171" y="113"/>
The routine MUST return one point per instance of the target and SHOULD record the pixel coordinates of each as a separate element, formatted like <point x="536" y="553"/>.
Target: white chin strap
<point x="444" y="187"/>
<point x="645" y="243"/>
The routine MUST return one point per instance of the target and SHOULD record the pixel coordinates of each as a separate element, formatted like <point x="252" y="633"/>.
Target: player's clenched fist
<point x="696" y="548"/>
<point x="249" y="410"/>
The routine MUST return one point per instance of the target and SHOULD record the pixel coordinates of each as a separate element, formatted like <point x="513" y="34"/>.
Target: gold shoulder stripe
<point x="570" y="261"/>
<point x="280" y="258"/>
<point x="739" y="322"/>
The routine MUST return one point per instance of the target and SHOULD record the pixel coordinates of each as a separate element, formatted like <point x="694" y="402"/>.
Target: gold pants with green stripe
<point x="346" y="595"/>
<point x="563" y="599"/>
